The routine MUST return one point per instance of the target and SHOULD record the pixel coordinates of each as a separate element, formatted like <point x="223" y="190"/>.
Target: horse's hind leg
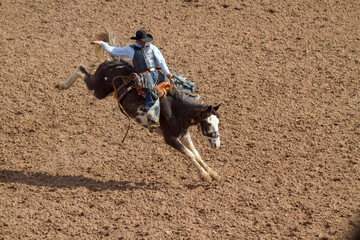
<point x="187" y="141"/>
<point x="80" y="72"/>
<point x="175" y="143"/>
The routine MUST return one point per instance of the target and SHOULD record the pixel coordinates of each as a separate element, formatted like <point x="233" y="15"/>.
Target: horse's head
<point x="209" y="125"/>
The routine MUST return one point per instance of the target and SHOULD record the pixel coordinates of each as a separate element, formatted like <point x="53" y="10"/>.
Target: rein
<point x="118" y="98"/>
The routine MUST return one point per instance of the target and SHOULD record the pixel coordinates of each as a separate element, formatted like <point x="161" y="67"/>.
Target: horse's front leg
<point x="175" y="143"/>
<point x="188" y="143"/>
<point x="80" y="72"/>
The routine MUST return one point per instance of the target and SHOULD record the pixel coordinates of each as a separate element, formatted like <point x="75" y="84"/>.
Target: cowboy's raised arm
<point x="127" y="51"/>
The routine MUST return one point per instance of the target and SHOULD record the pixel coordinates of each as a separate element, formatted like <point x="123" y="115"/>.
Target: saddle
<point x="133" y="82"/>
<point x="162" y="89"/>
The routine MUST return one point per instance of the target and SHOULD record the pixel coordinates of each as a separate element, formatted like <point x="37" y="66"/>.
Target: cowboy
<point x="146" y="58"/>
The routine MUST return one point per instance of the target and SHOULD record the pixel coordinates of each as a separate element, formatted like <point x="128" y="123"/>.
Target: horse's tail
<point x="109" y="38"/>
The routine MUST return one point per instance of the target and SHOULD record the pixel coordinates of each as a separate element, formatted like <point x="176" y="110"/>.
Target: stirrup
<point x="152" y="126"/>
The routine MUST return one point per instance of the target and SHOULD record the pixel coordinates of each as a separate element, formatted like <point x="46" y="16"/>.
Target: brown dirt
<point x="286" y="74"/>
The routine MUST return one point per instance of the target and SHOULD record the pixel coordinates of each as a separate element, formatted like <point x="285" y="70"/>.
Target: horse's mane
<point x="190" y="102"/>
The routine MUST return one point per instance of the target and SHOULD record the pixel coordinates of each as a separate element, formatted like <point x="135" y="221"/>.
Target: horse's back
<point x="114" y="68"/>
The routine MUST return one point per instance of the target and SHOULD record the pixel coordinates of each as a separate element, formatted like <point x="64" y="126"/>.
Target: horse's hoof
<point x="214" y="175"/>
<point x="205" y="177"/>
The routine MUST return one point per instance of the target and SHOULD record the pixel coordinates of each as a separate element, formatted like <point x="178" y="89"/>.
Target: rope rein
<point x="120" y="106"/>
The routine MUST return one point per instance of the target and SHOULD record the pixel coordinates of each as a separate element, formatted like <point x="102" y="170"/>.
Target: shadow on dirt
<point x="356" y="233"/>
<point x="192" y="187"/>
<point x="46" y="180"/>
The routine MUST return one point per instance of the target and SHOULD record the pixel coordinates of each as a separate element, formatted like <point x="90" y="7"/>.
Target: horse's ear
<point x="210" y="110"/>
<point x="205" y="113"/>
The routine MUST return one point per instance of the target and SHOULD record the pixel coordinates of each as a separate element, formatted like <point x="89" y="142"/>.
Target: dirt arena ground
<point x="286" y="74"/>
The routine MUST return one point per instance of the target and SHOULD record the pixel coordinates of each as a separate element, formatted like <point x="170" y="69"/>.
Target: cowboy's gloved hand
<point x="95" y="42"/>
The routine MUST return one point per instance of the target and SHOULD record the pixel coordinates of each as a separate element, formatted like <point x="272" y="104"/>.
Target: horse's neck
<point x="190" y="110"/>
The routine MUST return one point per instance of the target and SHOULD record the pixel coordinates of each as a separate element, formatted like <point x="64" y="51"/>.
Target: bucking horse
<point x="177" y="111"/>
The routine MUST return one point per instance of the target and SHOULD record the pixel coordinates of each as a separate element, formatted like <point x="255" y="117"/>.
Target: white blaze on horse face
<point x="213" y="121"/>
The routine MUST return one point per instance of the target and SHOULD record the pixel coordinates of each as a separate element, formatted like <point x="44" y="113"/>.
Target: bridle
<point x="212" y="135"/>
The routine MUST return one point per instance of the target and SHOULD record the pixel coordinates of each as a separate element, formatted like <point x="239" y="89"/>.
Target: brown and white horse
<point x="177" y="112"/>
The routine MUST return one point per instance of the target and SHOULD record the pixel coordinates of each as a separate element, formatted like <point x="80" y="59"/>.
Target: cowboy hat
<point x="142" y="36"/>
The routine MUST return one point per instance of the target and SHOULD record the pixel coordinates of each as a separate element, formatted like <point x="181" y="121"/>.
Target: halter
<point x="211" y="134"/>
